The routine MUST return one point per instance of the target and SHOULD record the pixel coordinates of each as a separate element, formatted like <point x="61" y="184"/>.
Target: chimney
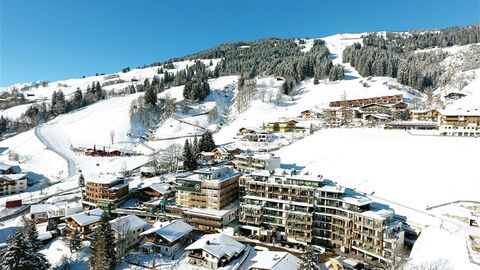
<point x="207" y="243"/>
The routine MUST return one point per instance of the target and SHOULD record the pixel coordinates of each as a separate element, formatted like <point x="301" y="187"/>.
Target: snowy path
<point x="56" y="141"/>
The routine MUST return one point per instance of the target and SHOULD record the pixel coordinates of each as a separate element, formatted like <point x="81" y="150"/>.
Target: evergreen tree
<point x="58" y="103"/>
<point x="151" y="95"/>
<point x="75" y="243"/>
<point x="3" y="124"/>
<point x="103" y="255"/>
<point x="98" y="92"/>
<point x="309" y="260"/>
<point x="19" y="254"/>
<point x="77" y="101"/>
<point x="31" y="234"/>
<point x="195" y="147"/>
<point x="206" y="143"/>
<point x="189" y="160"/>
<point x="81" y="181"/>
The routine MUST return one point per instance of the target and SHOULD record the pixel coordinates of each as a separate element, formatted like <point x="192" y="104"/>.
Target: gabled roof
<point x="39" y="208"/>
<point x="162" y="188"/>
<point x="171" y="232"/>
<point x="219" y="245"/>
<point x="222" y="150"/>
<point x="127" y="224"/>
<point x="13" y="177"/>
<point x="4" y="166"/>
<point x="88" y="217"/>
<point x="275" y="260"/>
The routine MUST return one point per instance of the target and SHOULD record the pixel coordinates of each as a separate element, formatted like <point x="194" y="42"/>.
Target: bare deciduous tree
<point x="112" y="136"/>
<point x="169" y="158"/>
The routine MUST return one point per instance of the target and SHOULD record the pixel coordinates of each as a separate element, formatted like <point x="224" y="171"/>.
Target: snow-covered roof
<point x="119" y="186"/>
<point x="162" y="188"/>
<point x="260" y="156"/>
<point x="461" y="112"/>
<point x="219" y="245"/>
<point x="39" y="208"/>
<point x="206" y="154"/>
<point x="104" y="180"/>
<point x="44" y="236"/>
<point x="13" y="177"/>
<point x="171" y="232"/>
<point x="379" y="115"/>
<point x="275" y="260"/>
<point x="222" y="150"/>
<point x="88" y="217"/>
<point x="127" y="224"/>
<point x="4" y="166"/>
<point x="147" y="169"/>
<point x="382" y="214"/>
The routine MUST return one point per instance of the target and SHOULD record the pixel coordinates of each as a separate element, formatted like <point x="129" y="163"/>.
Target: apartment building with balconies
<point x="346" y="220"/>
<point x="13" y="183"/>
<point x="105" y="192"/>
<point x="279" y="204"/>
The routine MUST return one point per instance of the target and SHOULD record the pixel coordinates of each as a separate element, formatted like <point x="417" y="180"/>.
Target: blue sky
<point x="64" y="39"/>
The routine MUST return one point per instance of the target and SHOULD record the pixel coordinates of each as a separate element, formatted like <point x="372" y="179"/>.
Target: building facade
<point x="366" y="101"/>
<point x="285" y="205"/>
<point x="465" y="123"/>
<point x="12" y="184"/>
<point x="280" y="201"/>
<point x="105" y="193"/>
<point x="206" y="198"/>
<point x="250" y="162"/>
<point x="284" y="126"/>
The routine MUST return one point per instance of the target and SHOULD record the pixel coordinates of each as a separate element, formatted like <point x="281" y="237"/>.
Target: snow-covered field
<point x="419" y="171"/>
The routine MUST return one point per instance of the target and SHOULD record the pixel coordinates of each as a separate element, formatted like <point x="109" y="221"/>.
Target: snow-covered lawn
<point x="34" y="156"/>
<point x="417" y="171"/>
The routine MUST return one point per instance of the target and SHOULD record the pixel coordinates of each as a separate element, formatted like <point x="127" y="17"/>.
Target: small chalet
<point x="284" y="126"/>
<point x="425" y="115"/>
<point x="84" y="223"/>
<point x="309" y="114"/>
<point x="378" y="118"/>
<point x="400" y="106"/>
<point x="206" y="156"/>
<point x="254" y="135"/>
<point x="214" y="250"/>
<point x="275" y="260"/>
<point x="159" y="191"/>
<point x="127" y="231"/>
<point x="167" y="239"/>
